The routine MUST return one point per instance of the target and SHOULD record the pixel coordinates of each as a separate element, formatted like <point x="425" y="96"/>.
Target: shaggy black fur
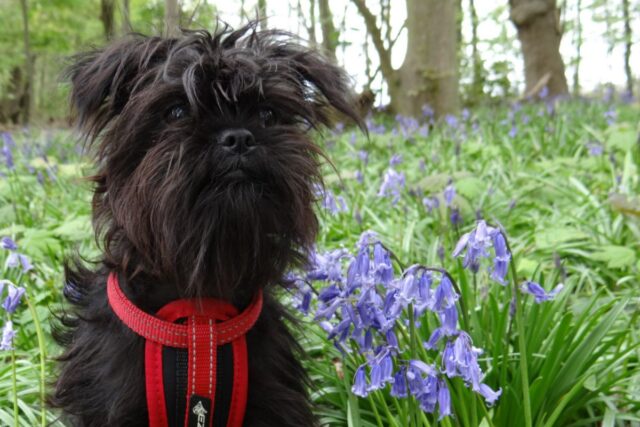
<point x="179" y="215"/>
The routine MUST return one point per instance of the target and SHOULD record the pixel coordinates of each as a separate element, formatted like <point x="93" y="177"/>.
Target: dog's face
<point x="205" y="166"/>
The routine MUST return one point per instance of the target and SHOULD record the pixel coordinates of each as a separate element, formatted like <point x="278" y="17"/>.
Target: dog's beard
<point x="209" y="224"/>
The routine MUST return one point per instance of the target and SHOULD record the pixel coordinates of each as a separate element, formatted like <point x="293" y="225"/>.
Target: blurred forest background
<point x="403" y="55"/>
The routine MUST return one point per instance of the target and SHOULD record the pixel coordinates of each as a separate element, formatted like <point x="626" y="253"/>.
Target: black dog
<point x="204" y="188"/>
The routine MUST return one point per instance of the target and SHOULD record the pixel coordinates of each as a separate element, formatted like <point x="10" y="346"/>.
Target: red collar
<point x="210" y="323"/>
<point x="174" y="335"/>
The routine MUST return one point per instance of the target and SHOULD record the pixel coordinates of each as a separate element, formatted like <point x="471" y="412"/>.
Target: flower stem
<point x="412" y="349"/>
<point x="522" y="347"/>
<point x="43" y="356"/>
<point x="14" y="384"/>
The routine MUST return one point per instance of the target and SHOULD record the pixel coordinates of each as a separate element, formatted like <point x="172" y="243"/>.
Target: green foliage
<point x="553" y="196"/>
<point x="61" y="28"/>
<point x="571" y="216"/>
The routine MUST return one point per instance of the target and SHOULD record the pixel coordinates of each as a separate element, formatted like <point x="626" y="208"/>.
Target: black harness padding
<point x="175" y="367"/>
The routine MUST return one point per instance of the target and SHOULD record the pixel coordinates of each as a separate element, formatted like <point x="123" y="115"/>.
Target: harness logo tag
<point x="199" y="409"/>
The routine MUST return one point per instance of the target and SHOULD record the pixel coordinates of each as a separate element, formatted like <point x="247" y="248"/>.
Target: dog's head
<point x="206" y="170"/>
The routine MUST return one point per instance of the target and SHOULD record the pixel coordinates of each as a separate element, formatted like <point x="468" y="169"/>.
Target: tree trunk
<point x="429" y="74"/>
<point x="126" y="17"/>
<point x="628" y="44"/>
<point x="539" y="32"/>
<point x="578" y="42"/>
<point x="262" y="14"/>
<point x="107" y="9"/>
<point x="329" y="33"/>
<point x="171" y="18"/>
<point x="28" y="65"/>
<point x="312" y="23"/>
<point x="477" y="84"/>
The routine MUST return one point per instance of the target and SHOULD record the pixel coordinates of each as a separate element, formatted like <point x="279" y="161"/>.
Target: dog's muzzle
<point x="196" y="365"/>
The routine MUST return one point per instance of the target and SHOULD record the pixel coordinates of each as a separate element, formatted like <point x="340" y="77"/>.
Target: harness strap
<point x="209" y="324"/>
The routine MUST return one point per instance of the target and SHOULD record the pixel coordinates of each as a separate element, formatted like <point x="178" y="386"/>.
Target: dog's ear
<point x="325" y="85"/>
<point x="103" y="80"/>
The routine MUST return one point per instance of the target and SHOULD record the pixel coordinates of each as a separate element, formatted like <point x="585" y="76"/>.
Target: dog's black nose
<point x="236" y="140"/>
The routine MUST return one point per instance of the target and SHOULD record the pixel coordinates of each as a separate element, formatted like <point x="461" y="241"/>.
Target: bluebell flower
<point x="7" y="336"/>
<point x="544" y="92"/>
<point x="414" y="380"/>
<point x="435" y="337"/>
<point x="363" y="155"/>
<point x="392" y="184"/>
<point x="8" y="140"/>
<point x="427" y="111"/>
<point x="464" y="352"/>
<point x="627" y="97"/>
<point x="444" y="295"/>
<point x="330" y="202"/>
<point x="392" y="339"/>
<point x="611" y="116"/>
<point x="449" y="194"/>
<point x="399" y="387"/>
<point x="302" y="296"/>
<point x="15" y="259"/>
<point x="489" y="395"/>
<point x="595" y="149"/>
<point x="341" y="330"/>
<point x="444" y="400"/>
<point x="382" y="268"/>
<point x="8" y="156"/>
<point x="538" y="291"/>
<point x="451" y="120"/>
<point x="14" y="293"/>
<point x="455" y="217"/>
<point x="513" y="132"/>
<point x="477" y="244"/>
<point x="327" y="266"/>
<point x="395" y="160"/>
<point x="381" y="370"/>
<point x="328" y="309"/>
<point x="7" y="243"/>
<point x="449" y="361"/>
<point x="449" y="320"/>
<point x="431" y="203"/>
<point x="329" y="293"/>
<point x="373" y="127"/>
<point x="501" y="260"/>
<point x="360" y="383"/>
<point x="429" y="397"/>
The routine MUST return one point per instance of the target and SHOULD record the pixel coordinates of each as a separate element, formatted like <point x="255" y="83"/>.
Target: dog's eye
<point x="177" y="112"/>
<point x="267" y="117"/>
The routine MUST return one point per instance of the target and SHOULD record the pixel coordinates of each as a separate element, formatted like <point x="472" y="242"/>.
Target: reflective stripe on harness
<point x="208" y="325"/>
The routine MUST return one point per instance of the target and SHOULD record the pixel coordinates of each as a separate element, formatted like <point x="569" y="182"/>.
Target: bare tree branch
<point x="376" y="37"/>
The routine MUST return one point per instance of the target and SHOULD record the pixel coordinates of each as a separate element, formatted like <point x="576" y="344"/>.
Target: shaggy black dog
<point x="204" y="188"/>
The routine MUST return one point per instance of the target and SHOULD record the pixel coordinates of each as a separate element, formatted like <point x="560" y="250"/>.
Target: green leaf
<point x="75" y="228"/>
<point x="623" y="139"/>
<point x="551" y="237"/>
<point x="471" y="187"/>
<point x="615" y="256"/>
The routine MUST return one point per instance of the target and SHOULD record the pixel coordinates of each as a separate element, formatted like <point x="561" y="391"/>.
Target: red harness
<point x="210" y="323"/>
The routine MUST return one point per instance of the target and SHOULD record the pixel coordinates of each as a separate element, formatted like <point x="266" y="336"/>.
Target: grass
<point x="570" y="212"/>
